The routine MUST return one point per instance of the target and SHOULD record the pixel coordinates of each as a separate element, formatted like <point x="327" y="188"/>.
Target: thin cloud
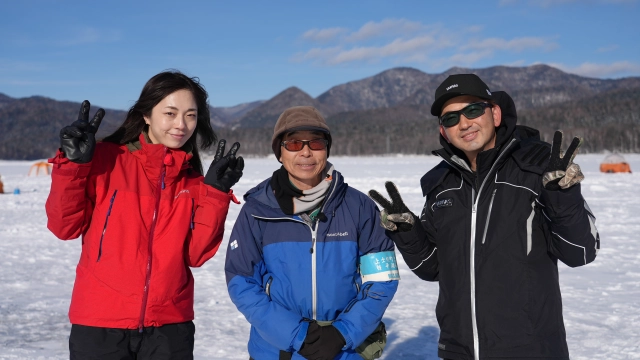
<point x="396" y="47"/>
<point x="475" y="28"/>
<point x="414" y="42"/>
<point x="470" y="58"/>
<point x="608" y="48"/>
<point x="324" y="35"/>
<point x="385" y="27"/>
<point x="516" y="63"/>
<point x="12" y="67"/>
<point x="409" y="49"/>
<point x="317" y="54"/>
<point x="517" y="44"/>
<point x="89" y="35"/>
<point x="616" y="69"/>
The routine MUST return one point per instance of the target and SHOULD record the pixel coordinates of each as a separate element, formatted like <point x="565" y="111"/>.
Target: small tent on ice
<point x="614" y="163"/>
<point x="45" y="167"/>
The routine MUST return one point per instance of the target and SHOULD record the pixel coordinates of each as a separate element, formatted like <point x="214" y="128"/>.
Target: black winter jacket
<point x="492" y="239"/>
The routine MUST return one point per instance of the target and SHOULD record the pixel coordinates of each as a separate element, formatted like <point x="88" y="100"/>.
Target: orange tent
<point x="614" y="163"/>
<point x="45" y="167"/>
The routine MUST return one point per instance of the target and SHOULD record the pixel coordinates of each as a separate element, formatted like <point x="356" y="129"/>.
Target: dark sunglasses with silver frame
<point x="297" y="145"/>
<point x="471" y="111"/>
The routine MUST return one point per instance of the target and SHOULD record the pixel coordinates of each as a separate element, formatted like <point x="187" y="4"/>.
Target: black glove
<point x="78" y="140"/>
<point x="395" y="215"/>
<point x="322" y="342"/>
<point x="562" y="173"/>
<point x="224" y="172"/>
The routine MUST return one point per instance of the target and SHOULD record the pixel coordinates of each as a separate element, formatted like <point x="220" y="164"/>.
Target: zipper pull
<point x="313" y="241"/>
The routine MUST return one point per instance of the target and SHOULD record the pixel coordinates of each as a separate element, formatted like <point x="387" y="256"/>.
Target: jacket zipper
<point x="472" y="272"/>
<point x="145" y="293"/>
<point x="106" y="220"/>
<point x="312" y="250"/>
<point x="193" y="213"/>
<point x="314" y="295"/>
<point x="314" y="233"/>
<point x="529" y="227"/>
<point x="486" y="224"/>
<point x="472" y="256"/>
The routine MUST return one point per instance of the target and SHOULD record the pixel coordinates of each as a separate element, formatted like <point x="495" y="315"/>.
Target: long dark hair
<point x="156" y="89"/>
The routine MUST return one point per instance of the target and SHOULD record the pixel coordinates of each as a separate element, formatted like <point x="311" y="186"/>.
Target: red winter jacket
<point x="144" y="218"/>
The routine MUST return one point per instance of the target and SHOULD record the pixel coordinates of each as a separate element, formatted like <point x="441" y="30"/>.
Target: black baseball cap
<point x="457" y="85"/>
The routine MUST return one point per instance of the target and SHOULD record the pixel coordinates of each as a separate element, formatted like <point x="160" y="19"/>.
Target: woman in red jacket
<point x="145" y="214"/>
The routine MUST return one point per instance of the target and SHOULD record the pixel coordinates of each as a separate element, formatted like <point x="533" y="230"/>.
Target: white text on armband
<point x="380" y="266"/>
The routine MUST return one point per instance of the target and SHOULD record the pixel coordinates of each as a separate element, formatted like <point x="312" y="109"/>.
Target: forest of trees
<point x="375" y="116"/>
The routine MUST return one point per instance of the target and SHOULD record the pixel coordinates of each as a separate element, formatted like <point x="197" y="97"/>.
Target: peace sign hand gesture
<point x="224" y="172"/>
<point x="562" y="173"/>
<point x="78" y="140"/>
<point x="395" y="215"/>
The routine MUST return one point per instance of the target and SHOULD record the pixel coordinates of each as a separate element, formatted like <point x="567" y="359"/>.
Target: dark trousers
<point x="173" y="341"/>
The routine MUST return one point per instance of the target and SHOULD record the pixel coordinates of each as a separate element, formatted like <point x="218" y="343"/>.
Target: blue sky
<point x="244" y="51"/>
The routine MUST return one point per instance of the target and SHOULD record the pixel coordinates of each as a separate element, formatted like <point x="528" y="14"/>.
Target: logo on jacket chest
<point x="344" y="233"/>
<point x="185" y="192"/>
<point x="442" y="204"/>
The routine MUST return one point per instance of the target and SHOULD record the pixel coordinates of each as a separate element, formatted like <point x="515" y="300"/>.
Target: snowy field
<point x="601" y="300"/>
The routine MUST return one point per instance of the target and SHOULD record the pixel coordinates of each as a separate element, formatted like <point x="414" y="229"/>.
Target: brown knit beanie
<point x="298" y="118"/>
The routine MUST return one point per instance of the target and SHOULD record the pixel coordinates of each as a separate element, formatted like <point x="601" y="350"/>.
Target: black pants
<point x="173" y="341"/>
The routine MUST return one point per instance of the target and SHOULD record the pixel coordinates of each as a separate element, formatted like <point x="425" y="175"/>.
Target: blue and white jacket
<point x="282" y="272"/>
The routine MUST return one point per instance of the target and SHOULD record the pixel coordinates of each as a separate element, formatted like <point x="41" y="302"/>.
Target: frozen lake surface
<point x="601" y="300"/>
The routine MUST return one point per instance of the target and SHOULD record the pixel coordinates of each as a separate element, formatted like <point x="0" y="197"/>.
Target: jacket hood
<point x="263" y="194"/>
<point x="509" y="117"/>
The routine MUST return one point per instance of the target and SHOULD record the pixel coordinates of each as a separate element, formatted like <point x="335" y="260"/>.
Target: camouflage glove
<point x="395" y="215"/>
<point x="562" y="173"/>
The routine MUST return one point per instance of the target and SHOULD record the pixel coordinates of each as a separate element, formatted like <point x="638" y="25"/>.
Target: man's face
<point x="304" y="166"/>
<point x="472" y="136"/>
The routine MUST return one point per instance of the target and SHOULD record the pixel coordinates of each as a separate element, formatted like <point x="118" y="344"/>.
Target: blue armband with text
<point x="380" y="266"/>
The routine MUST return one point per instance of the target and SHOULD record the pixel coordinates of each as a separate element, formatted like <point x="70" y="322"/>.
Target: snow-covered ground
<point x="601" y="300"/>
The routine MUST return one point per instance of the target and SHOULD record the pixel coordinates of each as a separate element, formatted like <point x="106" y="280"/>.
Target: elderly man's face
<point x="472" y="136"/>
<point x="304" y="166"/>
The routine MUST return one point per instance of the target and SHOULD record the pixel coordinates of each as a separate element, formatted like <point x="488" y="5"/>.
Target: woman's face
<point x="173" y="120"/>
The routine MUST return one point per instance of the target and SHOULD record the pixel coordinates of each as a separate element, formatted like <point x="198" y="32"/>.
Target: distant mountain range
<point x="385" y="113"/>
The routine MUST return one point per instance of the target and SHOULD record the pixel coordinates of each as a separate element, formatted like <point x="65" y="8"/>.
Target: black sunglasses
<point x="297" y="145"/>
<point x="471" y="111"/>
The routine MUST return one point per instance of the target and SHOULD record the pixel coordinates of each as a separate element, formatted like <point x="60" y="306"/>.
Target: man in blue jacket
<point x="307" y="263"/>
<point x="501" y="209"/>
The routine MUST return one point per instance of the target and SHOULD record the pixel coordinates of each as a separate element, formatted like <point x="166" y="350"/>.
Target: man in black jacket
<point x="501" y="209"/>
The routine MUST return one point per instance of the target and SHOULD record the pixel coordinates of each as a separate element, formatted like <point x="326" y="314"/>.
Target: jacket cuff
<point x="557" y="200"/>
<point x="211" y="192"/>
<point x="64" y="167"/>
<point x="302" y="334"/>
<point x="343" y="331"/>
<point x="410" y="242"/>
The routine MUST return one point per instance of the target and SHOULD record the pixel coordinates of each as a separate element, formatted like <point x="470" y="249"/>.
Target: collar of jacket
<point x="268" y="206"/>
<point x="153" y="157"/>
